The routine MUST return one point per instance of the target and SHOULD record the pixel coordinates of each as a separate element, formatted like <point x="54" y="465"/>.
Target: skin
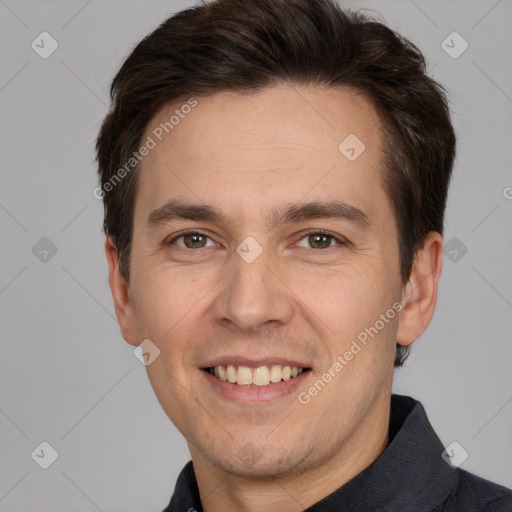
<point x="247" y="154"/>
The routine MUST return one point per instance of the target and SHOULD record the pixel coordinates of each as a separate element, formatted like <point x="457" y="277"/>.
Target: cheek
<point x="164" y="302"/>
<point x="346" y="306"/>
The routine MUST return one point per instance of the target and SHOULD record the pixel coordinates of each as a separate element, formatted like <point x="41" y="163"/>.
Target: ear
<point x="120" y="289"/>
<point x="419" y="295"/>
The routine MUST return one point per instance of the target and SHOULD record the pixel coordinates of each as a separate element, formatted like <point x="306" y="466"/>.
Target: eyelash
<point x="342" y="242"/>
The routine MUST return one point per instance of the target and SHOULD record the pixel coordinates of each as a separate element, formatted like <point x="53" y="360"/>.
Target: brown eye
<point x="192" y="240"/>
<point x="320" y="240"/>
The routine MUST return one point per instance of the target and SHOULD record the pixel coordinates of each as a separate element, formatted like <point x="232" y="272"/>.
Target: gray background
<point x="68" y="378"/>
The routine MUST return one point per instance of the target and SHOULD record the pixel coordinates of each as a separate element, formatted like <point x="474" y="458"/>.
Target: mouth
<point x="260" y="376"/>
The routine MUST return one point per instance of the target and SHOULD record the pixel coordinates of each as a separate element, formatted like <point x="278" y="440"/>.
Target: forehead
<point x="251" y="151"/>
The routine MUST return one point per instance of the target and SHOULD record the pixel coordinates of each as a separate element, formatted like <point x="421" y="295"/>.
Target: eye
<point x="192" y="240"/>
<point x="320" y="239"/>
<point x="317" y="239"/>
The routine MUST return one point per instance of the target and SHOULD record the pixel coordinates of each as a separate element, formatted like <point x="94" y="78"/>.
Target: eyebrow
<point x="285" y="214"/>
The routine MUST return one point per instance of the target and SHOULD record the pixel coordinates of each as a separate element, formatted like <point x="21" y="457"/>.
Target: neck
<point x="221" y="491"/>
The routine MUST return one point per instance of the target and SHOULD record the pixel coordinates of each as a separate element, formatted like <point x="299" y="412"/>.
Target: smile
<point x="260" y="376"/>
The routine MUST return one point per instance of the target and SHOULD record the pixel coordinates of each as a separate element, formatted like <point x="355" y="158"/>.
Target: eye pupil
<point x="194" y="237"/>
<point x="317" y="239"/>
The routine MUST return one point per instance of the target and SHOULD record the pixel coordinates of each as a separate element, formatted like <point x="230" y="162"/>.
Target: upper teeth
<point x="261" y="376"/>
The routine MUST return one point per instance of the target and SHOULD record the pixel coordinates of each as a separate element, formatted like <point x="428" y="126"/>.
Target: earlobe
<point x="419" y="295"/>
<point x="120" y="289"/>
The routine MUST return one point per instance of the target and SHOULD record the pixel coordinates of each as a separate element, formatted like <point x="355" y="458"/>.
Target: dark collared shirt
<point x="409" y="476"/>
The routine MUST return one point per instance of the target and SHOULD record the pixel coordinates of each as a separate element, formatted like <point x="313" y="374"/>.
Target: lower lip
<point x="254" y="394"/>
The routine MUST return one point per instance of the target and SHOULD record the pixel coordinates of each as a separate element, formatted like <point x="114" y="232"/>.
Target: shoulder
<point x="475" y="494"/>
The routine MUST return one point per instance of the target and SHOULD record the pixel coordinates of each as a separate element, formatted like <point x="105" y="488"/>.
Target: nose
<point x="254" y="295"/>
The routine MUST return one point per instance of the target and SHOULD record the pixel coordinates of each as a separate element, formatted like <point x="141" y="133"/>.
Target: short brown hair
<point x="248" y="45"/>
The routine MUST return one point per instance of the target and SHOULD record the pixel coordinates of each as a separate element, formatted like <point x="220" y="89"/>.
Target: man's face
<point x="285" y="296"/>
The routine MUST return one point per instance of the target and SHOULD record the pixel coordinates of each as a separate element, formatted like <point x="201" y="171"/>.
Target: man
<point x="274" y="175"/>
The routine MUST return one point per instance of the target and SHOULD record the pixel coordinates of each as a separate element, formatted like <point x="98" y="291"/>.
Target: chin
<point x="259" y="460"/>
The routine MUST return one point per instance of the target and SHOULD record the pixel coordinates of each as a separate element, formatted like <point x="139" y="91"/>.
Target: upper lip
<point x="252" y="363"/>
